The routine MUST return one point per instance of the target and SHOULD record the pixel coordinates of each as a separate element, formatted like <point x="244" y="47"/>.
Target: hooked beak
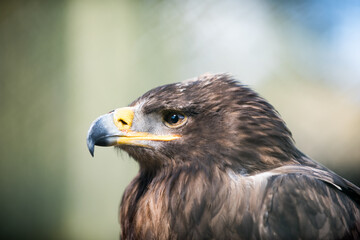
<point x="102" y="132"/>
<point x="114" y="128"/>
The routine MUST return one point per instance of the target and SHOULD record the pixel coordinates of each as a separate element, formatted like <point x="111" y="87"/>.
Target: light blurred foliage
<point x="64" y="63"/>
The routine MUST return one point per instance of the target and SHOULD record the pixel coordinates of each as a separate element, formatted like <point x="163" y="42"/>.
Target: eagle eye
<point x="174" y="119"/>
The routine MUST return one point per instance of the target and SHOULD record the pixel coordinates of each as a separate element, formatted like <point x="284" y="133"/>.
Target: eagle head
<point x="212" y="119"/>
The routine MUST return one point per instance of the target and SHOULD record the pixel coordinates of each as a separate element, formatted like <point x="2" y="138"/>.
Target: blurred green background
<point x="64" y="63"/>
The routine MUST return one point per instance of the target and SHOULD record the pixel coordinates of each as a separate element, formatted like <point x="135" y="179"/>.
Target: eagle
<point x="216" y="161"/>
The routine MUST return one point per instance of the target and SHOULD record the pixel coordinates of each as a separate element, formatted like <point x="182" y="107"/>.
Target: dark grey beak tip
<point x="91" y="147"/>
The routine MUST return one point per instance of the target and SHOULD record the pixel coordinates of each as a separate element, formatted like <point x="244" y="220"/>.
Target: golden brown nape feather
<point x="231" y="170"/>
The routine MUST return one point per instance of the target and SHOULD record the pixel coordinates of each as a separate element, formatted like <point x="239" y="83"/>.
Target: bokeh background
<point x="63" y="63"/>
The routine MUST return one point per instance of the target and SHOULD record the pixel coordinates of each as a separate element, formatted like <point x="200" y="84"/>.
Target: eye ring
<point x="174" y="119"/>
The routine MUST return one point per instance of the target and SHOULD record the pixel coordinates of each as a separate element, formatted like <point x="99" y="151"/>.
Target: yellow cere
<point x="123" y="118"/>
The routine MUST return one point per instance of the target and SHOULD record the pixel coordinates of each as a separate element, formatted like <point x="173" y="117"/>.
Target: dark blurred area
<point x="32" y="103"/>
<point x="63" y="63"/>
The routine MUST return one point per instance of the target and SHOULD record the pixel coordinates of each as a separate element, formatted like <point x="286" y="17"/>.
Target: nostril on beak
<point x="122" y="122"/>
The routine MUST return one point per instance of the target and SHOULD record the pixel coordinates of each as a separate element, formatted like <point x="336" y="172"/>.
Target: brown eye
<point x="174" y="119"/>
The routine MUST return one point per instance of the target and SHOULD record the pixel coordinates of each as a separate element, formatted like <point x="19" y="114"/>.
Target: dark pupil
<point x="174" y="118"/>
